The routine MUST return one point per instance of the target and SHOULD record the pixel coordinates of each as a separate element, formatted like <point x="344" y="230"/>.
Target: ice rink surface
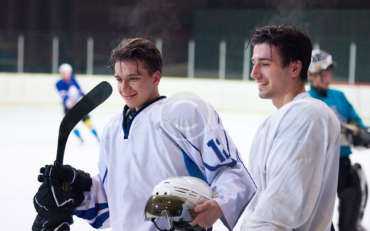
<point x="28" y="140"/>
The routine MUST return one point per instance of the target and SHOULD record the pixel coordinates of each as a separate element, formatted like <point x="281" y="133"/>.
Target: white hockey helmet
<point x="172" y="200"/>
<point x="320" y="61"/>
<point x="65" y="68"/>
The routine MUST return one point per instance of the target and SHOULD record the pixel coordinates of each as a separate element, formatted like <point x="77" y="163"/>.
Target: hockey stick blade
<point x="89" y="102"/>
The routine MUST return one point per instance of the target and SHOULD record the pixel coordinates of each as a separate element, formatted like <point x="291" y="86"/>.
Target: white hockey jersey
<point x="170" y="137"/>
<point x="294" y="162"/>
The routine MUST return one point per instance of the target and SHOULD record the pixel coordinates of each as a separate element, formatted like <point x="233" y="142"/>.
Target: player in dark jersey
<point x="352" y="185"/>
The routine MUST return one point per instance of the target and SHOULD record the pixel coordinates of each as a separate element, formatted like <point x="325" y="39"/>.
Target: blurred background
<point x="198" y="38"/>
<point x="205" y="49"/>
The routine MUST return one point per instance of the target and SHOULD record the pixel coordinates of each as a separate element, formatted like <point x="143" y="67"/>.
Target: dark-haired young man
<point x="152" y="139"/>
<point x="293" y="158"/>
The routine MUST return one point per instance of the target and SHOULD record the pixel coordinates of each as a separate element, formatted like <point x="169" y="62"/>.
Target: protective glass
<point x="169" y="213"/>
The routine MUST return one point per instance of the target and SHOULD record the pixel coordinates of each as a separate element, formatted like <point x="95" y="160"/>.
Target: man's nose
<point x="255" y="71"/>
<point x="124" y="85"/>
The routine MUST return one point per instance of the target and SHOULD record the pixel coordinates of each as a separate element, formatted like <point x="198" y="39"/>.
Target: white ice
<point x="28" y="140"/>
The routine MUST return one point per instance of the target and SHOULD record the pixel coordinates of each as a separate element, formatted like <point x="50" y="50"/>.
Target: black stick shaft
<point x="88" y="103"/>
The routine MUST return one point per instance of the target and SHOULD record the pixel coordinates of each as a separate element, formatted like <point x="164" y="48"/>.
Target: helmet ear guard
<point x="170" y="206"/>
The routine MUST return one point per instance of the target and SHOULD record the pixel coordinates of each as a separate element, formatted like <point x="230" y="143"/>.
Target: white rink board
<point x="224" y="95"/>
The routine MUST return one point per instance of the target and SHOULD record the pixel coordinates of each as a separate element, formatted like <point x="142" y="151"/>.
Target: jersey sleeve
<point x="353" y="115"/>
<point x="95" y="207"/>
<point x="77" y="85"/>
<point x="62" y="91"/>
<point x="211" y="155"/>
<point x="295" y="172"/>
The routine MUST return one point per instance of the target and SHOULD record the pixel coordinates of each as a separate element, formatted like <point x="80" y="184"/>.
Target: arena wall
<point x="224" y="95"/>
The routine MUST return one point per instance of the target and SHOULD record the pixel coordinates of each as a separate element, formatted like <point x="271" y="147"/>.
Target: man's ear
<point x="156" y="77"/>
<point x="295" y="69"/>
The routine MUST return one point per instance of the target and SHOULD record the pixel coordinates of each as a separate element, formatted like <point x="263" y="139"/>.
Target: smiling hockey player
<point x="152" y="139"/>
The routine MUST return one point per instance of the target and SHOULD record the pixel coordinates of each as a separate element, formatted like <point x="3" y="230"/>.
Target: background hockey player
<point x="353" y="128"/>
<point x="151" y="139"/>
<point x="293" y="158"/>
<point x="70" y="93"/>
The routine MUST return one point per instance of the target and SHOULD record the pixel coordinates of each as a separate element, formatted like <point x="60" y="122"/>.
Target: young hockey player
<point x="293" y="158"/>
<point x="151" y="139"/>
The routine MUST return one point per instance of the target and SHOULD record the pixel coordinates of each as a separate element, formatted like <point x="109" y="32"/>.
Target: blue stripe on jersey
<point x="190" y="165"/>
<point x="192" y="168"/>
<point x="100" y="220"/>
<point x="227" y="142"/>
<point x="218" y="118"/>
<point x="105" y="175"/>
<point x="230" y="164"/>
<point x="91" y="213"/>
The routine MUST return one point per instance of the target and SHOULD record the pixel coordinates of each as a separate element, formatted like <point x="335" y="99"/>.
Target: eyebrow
<point x="261" y="59"/>
<point x="129" y="75"/>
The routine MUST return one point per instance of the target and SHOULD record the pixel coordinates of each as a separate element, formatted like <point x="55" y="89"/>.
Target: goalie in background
<point x="352" y="185"/>
<point x="70" y="93"/>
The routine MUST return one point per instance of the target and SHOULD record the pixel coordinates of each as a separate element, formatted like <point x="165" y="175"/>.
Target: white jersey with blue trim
<point x="179" y="136"/>
<point x="294" y="161"/>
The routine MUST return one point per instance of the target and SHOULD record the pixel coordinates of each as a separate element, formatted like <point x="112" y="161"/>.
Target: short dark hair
<point x="138" y="49"/>
<point x="292" y="44"/>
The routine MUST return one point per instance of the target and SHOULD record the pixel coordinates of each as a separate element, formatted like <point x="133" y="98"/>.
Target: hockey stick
<point x="89" y="102"/>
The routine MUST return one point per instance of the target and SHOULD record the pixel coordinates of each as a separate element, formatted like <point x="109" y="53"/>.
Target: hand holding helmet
<point x="207" y="213"/>
<point x="172" y="204"/>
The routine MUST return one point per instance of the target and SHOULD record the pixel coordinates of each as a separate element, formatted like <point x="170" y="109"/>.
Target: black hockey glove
<point x="60" y="193"/>
<point x="362" y="138"/>
<point x="43" y="224"/>
<point x="65" y="176"/>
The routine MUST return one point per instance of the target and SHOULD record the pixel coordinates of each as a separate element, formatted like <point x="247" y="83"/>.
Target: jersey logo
<point x="223" y="156"/>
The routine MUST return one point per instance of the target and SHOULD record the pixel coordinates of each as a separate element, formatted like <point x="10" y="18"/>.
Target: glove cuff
<point x="82" y="182"/>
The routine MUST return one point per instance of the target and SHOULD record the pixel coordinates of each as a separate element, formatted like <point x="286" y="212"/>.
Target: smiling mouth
<point x="129" y="96"/>
<point x="260" y="85"/>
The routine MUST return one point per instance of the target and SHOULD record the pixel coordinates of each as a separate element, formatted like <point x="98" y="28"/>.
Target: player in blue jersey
<point x="70" y="93"/>
<point x="351" y="198"/>
<point x="150" y="139"/>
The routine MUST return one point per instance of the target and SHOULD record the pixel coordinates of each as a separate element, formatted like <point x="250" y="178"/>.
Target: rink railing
<point x="222" y="66"/>
<point x="225" y="95"/>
